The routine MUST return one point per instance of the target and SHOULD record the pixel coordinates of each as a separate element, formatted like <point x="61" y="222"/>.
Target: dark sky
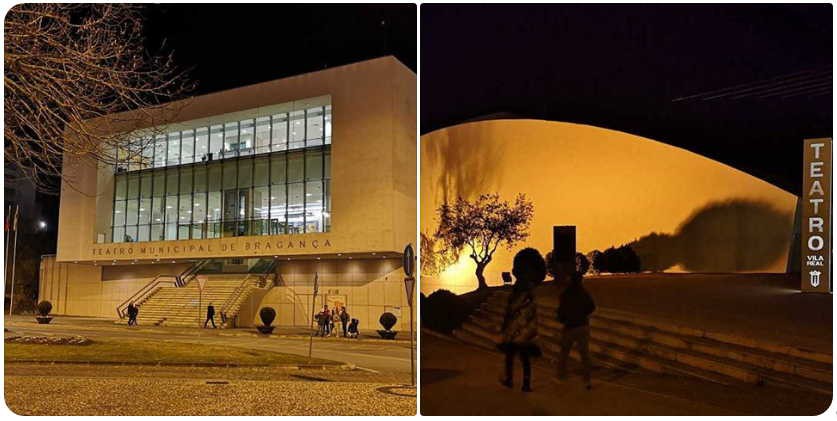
<point x="232" y="45"/>
<point x="761" y="73"/>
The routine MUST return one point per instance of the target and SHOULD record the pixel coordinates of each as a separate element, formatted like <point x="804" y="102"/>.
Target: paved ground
<point x="374" y="387"/>
<point x="458" y="379"/>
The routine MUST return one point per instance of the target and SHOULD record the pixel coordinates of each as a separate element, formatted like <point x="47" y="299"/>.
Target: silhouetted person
<point x="210" y="315"/>
<point x="133" y="311"/>
<point x="353" y="332"/>
<point x="520" y="323"/>
<point x="574" y="312"/>
<point x="344" y="320"/>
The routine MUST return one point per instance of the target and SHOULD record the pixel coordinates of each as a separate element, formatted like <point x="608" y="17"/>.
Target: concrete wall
<point x="373" y="168"/>
<point x="680" y="211"/>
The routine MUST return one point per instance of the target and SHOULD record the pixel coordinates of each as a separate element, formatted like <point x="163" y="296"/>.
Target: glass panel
<point x="262" y="134"/>
<point x="229" y="174"/>
<point x="230" y="139"/>
<point x="296" y="208"/>
<point x="214" y="206"/>
<point x="260" y="172"/>
<point x="142" y="233"/>
<point x="159" y="183"/>
<point x="131" y="234"/>
<point x="277" y="169"/>
<point x="147" y="152"/>
<point x="245" y="172"/>
<point x="144" y="211"/>
<point x="215" y="177"/>
<point x="121" y="186"/>
<point x="199" y="208"/>
<point x="185" y="211"/>
<point x="186" y="180"/>
<point x="280" y="132"/>
<point x="216" y="141"/>
<point x="314" y="126"/>
<point x="295" y="167"/>
<point x="197" y="231"/>
<point x="171" y="210"/>
<point x="171" y="181"/>
<point x="328" y="124"/>
<point x="277" y="208"/>
<point x="297" y="139"/>
<point x="183" y="231"/>
<point x="119" y="234"/>
<point x="314" y="165"/>
<point x="261" y="203"/>
<point x="187" y="148"/>
<point x="157" y="210"/>
<point x="313" y="206"/>
<point x="171" y="232"/>
<point x="327" y="207"/>
<point x="145" y="185"/>
<point x="157" y="232"/>
<point x="119" y="213"/>
<point x="160" y="151"/>
<point x="133" y="186"/>
<point x="201" y="144"/>
<point x="245" y="141"/>
<point x="327" y="163"/>
<point x="200" y="179"/>
<point x="174" y="149"/>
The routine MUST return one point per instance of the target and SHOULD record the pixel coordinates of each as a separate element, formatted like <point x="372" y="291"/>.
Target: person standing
<point x="132" y="315"/>
<point x="344" y="320"/>
<point x="210" y="315"/>
<point x="574" y="312"/>
<point x="520" y="323"/>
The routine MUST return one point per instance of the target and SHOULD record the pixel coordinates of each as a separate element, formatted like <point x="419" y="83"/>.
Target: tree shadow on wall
<point x="466" y="169"/>
<point x="730" y="236"/>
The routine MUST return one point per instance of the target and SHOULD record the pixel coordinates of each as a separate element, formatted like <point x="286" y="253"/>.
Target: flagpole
<point x="14" y="260"/>
<point x="313" y="312"/>
<point x="7" y="225"/>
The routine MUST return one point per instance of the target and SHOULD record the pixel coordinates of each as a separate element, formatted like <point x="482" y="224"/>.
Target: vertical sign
<point x="816" y="216"/>
<point x="563" y="248"/>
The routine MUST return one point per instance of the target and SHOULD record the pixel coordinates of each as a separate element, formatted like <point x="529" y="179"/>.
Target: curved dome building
<point x="680" y="211"/>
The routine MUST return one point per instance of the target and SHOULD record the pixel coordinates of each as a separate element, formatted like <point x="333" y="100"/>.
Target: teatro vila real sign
<point x="209" y="248"/>
<point x="816" y="216"/>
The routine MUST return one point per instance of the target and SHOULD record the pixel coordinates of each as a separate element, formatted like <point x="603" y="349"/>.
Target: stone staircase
<point x="631" y="342"/>
<point x="186" y="306"/>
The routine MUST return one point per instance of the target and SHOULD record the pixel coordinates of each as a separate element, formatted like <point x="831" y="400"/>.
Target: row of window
<point x="278" y="132"/>
<point x="278" y="193"/>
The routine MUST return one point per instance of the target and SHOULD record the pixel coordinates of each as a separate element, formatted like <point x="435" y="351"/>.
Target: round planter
<point x="265" y="330"/>
<point x="387" y="334"/>
<point x="43" y="320"/>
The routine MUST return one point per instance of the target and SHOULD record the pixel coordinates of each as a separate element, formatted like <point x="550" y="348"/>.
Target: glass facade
<point x="263" y="176"/>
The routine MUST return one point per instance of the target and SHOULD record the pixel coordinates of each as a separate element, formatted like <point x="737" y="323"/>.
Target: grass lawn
<point x="135" y="352"/>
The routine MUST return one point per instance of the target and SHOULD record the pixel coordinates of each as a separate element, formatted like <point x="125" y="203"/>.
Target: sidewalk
<point x="458" y="379"/>
<point x="96" y="324"/>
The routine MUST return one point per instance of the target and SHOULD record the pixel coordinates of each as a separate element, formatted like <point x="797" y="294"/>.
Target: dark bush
<point x="618" y="260"/>
<point x="388" y="320"/>
<point x="44" y="307"/>
<point x="444" y="311"/>
<point x="267" y="314"/>
<point x="582" y="264"/>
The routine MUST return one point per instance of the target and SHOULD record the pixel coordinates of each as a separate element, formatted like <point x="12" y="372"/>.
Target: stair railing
<point x="237" y="293"/>
<point x="184" y="278"/>
<point x="146" y="291"/>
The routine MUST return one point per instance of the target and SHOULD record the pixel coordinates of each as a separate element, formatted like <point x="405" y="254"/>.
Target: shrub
<point x="444" y="311"/>
<point x="44" y="307"/>
<point x="267" y="314"/>
<point x="581" y="263"/>
<point x="388" y="320"/>
<point x="618" y="260"/>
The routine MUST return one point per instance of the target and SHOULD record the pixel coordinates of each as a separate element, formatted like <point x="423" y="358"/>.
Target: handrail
<point x="239" y="290"/>
<point x="191" y="272"/>
<point x="143" y="292"/>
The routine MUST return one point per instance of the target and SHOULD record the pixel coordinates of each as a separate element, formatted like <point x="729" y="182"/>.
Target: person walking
<point x="576" y="306"/>
<point x="520" y="323"/>
<point x="132" y="314"/>
<point x="210" y="315"/>
<point x="344" y="320"/>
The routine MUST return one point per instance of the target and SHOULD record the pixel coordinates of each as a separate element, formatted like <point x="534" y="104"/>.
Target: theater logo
<point x="816" y="216"/>
<point x="209" y="249"/>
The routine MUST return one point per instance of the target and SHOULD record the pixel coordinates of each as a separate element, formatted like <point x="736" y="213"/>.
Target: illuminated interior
<point x="616" y="188"/>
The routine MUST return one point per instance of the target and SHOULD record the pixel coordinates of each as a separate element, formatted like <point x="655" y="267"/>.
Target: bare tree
<point x="70" y="69"/>
<point x="482" y="225"/>
<point x="435" y="259"/>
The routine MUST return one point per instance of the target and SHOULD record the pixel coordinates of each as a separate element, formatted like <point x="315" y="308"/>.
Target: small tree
<point x="434" y="259"/>
<point x="482" y="225"/>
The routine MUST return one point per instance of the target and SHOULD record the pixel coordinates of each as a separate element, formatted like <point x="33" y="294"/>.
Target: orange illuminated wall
<point x="679" y="210"/>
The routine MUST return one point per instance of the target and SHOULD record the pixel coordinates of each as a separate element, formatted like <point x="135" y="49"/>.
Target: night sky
<point x="743" y="84"/>
<point x="232" y="45"/>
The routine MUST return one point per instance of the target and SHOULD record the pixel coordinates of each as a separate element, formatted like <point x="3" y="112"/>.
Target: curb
<point x="216" y="365"/>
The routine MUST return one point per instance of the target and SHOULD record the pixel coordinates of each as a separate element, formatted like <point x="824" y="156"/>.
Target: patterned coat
<point x="520" y="325"/>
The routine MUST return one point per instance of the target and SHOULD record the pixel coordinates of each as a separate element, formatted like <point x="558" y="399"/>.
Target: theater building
<point x="243" y="198"/>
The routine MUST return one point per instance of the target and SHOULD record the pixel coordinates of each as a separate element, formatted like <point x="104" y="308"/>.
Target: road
<point x="372" y="354"/>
